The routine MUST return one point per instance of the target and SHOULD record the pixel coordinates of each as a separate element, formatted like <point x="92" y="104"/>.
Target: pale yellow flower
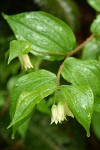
<point x="25" y="61"/>
<point x="54" y="111"/>
<point x="67" y="110"/>
<point x="59" y="112"/>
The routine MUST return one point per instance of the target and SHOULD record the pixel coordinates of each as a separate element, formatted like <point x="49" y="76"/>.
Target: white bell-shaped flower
<point x="54" y="111"/>
<point x="61" y="112"/>
<point x="25" y="61"/>
<point x="67" y="110"/>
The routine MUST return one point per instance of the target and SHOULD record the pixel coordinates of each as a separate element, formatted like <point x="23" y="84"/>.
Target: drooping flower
<point x="59" y="112"/>
<point x="54" y="111"/>
<point x="25" y="61"/>
<point x="67" y="110"/>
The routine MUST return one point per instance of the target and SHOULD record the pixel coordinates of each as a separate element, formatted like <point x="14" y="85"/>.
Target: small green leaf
<point x="45" y="32"/>
<point x="80" y="101"/>
<point x="17" y="48"/>
<point x="95" y="26"/>
<point x="28" y="91"/>
<point x="91" y="50"/>
<point x="80" y="72"/>
<point x="95" y="4"/>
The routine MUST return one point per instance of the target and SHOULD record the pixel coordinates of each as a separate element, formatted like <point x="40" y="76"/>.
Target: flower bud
<point x="25" y="61"/>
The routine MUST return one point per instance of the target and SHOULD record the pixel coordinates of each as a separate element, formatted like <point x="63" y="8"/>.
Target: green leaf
<point x="95" y="4"/>
<point x="46" y="33"/>
<point x="91" y="50"/>
<point x="66" y="10"/>
<point x="80" y="72"/>
<point x="80" y="101"/>
<point x="17" y="48"/>
<point x="28" y="91"/>
<point x="21" y="124"/>
<point x="23" y="129"/>
<point x="95" y="26"/>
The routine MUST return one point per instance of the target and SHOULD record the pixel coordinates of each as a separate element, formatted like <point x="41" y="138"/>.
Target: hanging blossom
<point x="54" y="117"/>
<point x="59" y="112"/>
<point x="25" y="61"/>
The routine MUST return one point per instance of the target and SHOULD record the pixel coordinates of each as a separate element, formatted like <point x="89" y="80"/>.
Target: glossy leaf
<point x="67" y="10"/>
<point x="80" y="101"/>
<point x="80" y="72"/>
<point x="17" y="48"/>
<point x="95" y="26"/>
<point x="95" y="4"/>
<point x="91" y="50"/>
<point x="28" y="91"/>
<point x="45" y="32"/>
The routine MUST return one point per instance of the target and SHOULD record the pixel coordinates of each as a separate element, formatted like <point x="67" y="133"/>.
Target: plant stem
<point x="70" y="54"/>
<point x="80" y="46"/>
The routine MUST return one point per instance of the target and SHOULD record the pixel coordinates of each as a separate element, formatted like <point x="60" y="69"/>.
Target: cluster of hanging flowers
<point x="25" y="61"/>
<point x="59" y="112"/>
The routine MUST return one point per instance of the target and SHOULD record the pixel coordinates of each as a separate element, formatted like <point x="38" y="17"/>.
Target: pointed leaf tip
<point x="80" y="101"/>
<point x="4" y="15"/>
<point x="28" y="91"/>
